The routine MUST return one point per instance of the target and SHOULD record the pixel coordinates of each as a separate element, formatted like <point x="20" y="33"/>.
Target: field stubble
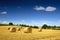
<point x="47" y="34"/>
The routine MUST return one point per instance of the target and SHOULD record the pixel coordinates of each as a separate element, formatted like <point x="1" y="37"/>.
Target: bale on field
<point x="28" y="30"/>
<point x="9" y="28"/>
<point x="40" y="30"/>
<point x="12" y="29"/>
<point x="19" y="28"/>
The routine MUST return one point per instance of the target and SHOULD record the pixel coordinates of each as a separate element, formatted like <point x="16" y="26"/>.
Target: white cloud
<point x="33" y="22"/>
<point x="37" y="22"/>
<point x="49" y="8"/>
<point x="41" y="22"/>
<point x="44" y="23"/>
<point x="39" y="8"/>
<point x="4" y="22"/>
<point x="4" y="12"/>
<point x="23" y="22"/>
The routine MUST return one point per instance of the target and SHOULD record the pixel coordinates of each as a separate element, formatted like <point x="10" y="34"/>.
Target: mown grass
<point x="35" y="35"/>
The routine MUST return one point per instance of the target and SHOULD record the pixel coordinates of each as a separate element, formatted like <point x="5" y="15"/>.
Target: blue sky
<point x="30" y="12"/>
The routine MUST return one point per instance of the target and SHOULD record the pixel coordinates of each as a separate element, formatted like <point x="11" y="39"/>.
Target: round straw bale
<point x="40" y="30"/>
<point x="12" y="29"/>
<point x="19" y="29"/>
<point x="9" y="28"/>
<point x="28" y="30"/>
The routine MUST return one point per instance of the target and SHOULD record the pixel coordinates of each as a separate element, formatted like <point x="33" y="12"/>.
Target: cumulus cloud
<point x="44" y="23"/>
<point x="39" y="8"/>
<point x="4" y="22"/>
<point x="41" y="22"/>
<point x="37" y="22"/>
<point x="4" y="12"/>
<point x="49" y="8"/>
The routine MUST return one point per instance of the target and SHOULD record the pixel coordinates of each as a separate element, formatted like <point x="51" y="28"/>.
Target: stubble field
<point x="47" y="34"/>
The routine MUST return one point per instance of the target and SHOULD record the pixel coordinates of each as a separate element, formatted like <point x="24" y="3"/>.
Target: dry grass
<point x="5" y="34"/>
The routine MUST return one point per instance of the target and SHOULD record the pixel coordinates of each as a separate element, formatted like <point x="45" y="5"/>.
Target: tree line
<point x="45" y="26"/>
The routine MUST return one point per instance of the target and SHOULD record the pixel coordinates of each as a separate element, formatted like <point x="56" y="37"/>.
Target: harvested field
<point x="47" y="34"/>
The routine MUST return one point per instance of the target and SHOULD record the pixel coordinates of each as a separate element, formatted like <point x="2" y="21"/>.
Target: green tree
<point x="35" y="27"/>
<point x="3" y="24"/>
<point x="53" y="27"/>
<point x="48" y="27"/>
<point x="10" y="23"/>
<point x="44" y="26"/>
<point x="24" y="25"/>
